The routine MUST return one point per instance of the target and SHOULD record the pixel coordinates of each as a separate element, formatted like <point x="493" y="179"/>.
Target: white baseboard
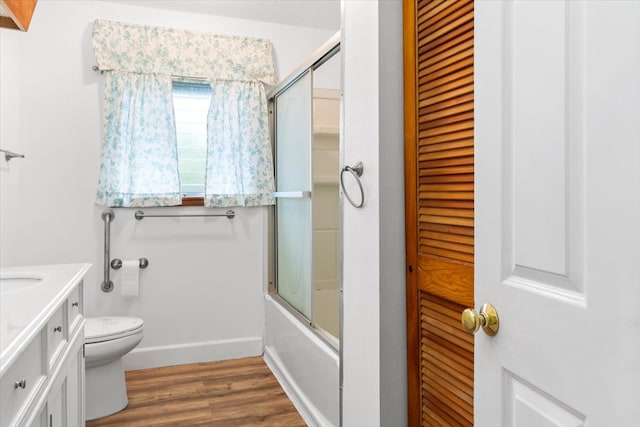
<point x="309" y="413"/>
<point x="180" y="354"/>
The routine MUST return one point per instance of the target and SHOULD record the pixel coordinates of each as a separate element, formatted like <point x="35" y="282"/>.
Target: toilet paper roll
<point x="130" y="278"/>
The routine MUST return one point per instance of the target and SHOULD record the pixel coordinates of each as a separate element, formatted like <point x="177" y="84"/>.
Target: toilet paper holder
<point x="116" y="263"/>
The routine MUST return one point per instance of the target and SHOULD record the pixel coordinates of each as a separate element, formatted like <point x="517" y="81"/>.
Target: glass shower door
<point x="293" y="111"/>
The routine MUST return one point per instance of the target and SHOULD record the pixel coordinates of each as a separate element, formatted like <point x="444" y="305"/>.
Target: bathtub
<point x="307" y="367"/>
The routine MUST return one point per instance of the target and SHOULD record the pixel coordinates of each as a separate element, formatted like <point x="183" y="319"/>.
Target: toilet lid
<point x="105" y="328"/>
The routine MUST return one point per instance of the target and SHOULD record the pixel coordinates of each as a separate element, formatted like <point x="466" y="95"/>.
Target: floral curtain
<point x="144" y="49"/>
<point x="139" y="158"/>
<point x="239" y="166"/>
<point x="139" y="166"/>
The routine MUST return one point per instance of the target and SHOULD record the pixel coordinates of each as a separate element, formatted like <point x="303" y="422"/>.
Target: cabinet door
<point x="75" y="389"/>
<point x="41" y="420"/>
<point x="57" y="405"/>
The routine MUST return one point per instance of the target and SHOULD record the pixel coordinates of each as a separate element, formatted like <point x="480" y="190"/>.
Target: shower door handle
<point x="292" y="194"/>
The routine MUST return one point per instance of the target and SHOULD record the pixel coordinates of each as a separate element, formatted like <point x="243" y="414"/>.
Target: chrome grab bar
<point x="141" y="215"/>
<point x="292" y="194"/>
<point x="107" y="217"/>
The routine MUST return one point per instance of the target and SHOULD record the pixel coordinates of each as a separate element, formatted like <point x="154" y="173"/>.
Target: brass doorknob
<point x="487" y="318"/>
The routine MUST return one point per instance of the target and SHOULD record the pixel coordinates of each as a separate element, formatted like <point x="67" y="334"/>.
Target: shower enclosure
<point x="302" y="339"/>
<point x="306" y="123"/>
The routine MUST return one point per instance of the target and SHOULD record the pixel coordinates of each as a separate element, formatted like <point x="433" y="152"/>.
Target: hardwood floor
<point x="241" y="392"/>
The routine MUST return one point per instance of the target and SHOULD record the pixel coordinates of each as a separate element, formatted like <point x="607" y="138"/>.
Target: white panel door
<point x="558" y="212"/>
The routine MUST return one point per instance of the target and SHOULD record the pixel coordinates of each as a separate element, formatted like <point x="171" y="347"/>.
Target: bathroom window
<point x="144" y="159"/>
<point x="191" y="104"/>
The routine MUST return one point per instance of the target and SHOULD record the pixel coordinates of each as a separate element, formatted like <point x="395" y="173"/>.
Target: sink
<point x="17" y="283"/>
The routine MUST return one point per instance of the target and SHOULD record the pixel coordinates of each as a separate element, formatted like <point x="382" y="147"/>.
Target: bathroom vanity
<point x="41" y="346"/>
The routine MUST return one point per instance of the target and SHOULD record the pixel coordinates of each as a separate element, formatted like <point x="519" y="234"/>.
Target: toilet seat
<point x="100" y="329"/>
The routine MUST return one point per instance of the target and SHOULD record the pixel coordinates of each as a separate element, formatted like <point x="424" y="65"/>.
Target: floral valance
<point x="156" y="50"/>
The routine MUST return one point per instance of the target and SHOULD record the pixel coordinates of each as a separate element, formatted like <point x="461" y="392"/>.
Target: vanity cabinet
<point x="44" y="385"/>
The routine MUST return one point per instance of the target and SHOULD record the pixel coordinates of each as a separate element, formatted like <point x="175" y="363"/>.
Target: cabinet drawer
<point x="57" y="333"/>
<point x="75" y="309"/>
<point x="20" y="383"/>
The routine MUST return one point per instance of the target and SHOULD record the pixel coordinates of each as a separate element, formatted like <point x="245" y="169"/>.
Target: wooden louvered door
<point x="439" y="176"/>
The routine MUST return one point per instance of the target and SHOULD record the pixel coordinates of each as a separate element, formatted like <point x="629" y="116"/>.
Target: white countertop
<point x="24" y="312"/>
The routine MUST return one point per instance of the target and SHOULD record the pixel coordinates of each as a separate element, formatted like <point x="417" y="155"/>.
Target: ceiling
<point x="306" y="13"/>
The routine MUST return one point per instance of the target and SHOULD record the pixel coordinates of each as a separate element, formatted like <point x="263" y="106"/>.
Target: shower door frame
<point x="316" y="59"/>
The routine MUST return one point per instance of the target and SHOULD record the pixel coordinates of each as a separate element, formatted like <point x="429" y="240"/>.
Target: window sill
<point x="193" y="201"/>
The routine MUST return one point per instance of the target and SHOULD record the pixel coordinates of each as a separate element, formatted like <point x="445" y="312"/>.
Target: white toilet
<point x="106" y="340"/>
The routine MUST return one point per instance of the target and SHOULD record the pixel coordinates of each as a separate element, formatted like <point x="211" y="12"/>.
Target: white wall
<point x="393" y="342"/>
<point x="9" y="135"/>
<point x="203" y="287"/>
<point x="374" y="338"/>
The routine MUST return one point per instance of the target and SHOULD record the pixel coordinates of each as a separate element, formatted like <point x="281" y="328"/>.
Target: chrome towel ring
<point x="356" y="171"/>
